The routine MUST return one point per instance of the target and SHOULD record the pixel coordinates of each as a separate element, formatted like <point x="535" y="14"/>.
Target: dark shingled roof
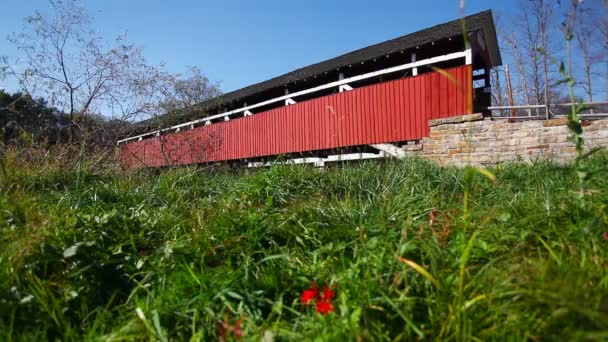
<point x="481" y="20"/>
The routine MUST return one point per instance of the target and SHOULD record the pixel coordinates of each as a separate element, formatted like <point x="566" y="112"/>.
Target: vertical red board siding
<point x="406" y="127"/>
<point x="383" y="132"/>
<point x="392" y="111"/>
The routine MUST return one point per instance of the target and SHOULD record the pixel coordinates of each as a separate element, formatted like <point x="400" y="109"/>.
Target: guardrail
<point x="550" y="110"/>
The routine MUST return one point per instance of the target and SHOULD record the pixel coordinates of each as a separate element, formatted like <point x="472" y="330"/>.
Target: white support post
<point x="288" y="101"/>
<point x="345" y="87"/>
<point x="226" y="118"/>
<point x="207" y="123"/>
<point x="414" y="70"/>
<point x="246" y="112"/>
<point x="468" y="54"/>
<point x="390" y="149"/>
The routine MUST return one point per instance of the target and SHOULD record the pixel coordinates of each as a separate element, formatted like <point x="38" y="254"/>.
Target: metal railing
<point x="551" y="109"/>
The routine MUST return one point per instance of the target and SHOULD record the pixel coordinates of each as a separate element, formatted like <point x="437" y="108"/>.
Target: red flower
<point x="328" y="294"/>
<point x="236" y="329"/>
<point x="605" y="236"/>
<point x="324" y="306"/>
<point x="322" y="299"/>
<point x="432" y="217"/>
<point x="225" y="329"/>
<point x="309" y="295"/>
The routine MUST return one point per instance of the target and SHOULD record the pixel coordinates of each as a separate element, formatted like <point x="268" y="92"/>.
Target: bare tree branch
<point x="80" y="72"/>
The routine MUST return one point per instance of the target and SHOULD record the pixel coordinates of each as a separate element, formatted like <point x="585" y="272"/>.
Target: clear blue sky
<point x="243" y="42"/>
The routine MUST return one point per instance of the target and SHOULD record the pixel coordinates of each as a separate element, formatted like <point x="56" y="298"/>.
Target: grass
<point x="412" y="250"/>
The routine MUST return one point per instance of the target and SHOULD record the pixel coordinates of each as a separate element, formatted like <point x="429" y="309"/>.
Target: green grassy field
<point x="411" y="251"/>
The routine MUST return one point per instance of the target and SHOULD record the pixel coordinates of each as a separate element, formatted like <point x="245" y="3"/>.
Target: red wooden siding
<point x="381" y="113"/>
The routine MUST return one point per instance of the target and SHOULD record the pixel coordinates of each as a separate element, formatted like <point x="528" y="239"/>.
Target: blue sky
<point x="243" y="42"/>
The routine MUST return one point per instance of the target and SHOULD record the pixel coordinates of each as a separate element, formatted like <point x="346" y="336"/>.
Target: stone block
<point x="552" y="139"/>
<point x="528" y="141"/>
<point x="534" y="124"/>
<point x="432" y="147"/>
<point x="437" y="134"/>
<point x="602" y="133"/>
<point x="536" y="147"/>
<point x="412" y="148"/>
<point x="555" y="122"/>
<point x="456" y="119"/>
<point x="557" y="130"/>
<point x="569" y="149"/>
<point x="521" y="133"/>
<point x="592" y="128"/>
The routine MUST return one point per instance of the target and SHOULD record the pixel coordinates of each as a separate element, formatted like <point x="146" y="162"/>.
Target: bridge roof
<point x="481" y="21"/>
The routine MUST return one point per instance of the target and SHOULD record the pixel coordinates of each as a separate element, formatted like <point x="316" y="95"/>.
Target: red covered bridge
<point x="363" y="104"/>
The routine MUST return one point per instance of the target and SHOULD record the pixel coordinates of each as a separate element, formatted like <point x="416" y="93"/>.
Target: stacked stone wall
<point x="473" y="139"/>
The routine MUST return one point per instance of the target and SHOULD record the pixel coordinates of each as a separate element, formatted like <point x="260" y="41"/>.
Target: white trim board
<point x="321" y="161"/>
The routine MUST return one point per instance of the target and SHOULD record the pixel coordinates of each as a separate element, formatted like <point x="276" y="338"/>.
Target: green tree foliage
<point x="32" y="114"/>
<point x="21" y="114"/>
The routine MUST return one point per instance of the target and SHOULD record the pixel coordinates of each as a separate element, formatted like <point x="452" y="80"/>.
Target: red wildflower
<point x="236" y="329"/>
<point x="322" y="299"/>
<point x="225" y="329"/>
<point x="324" y="306"/>
<point x="327" y="293"/>
<point x="311" y="294"/>
<point x="432" y="217"/>
<point x="605" y="236"/>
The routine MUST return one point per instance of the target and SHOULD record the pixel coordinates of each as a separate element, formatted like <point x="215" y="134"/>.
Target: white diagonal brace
<point x="345" y="87"/>
<point x="390" y="149"/>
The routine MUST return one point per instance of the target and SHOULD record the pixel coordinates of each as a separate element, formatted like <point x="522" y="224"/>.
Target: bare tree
<point x="65" y="61"/>
<point x="543" y="14"/>
<point x="495" y="79"/>
<point x="497" y="94"/>
<point x="515" y="50"/>
<point x="185" y="98"/>
<point x="530" y="43"/>
<point x="537" y="16"/>
<point x="590" y="43"/>
<point x="602" y="27"/>
<point x="583" y="37"/>
<point x="190" y="89"/>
